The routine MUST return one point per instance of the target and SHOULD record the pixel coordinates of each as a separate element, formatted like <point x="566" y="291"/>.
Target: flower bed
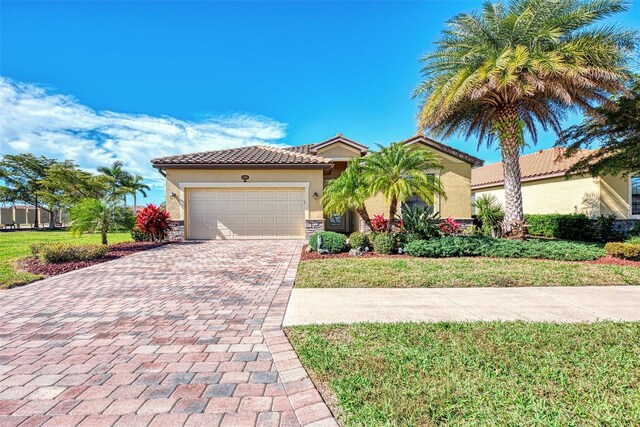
<point x="119" y="250"/>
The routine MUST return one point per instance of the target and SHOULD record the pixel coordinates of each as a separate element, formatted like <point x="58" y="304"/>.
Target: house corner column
<point x="312" y="225"/>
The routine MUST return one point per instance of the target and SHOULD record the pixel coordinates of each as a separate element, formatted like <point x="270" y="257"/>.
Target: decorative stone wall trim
<point x="312" y="225"/>
<point x="307" y="403"/>
<point x="177" y="231"/>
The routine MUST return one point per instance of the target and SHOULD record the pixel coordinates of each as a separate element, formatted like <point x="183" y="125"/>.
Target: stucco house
<point x="268" y="192"/>
<point x="547" y="189"/>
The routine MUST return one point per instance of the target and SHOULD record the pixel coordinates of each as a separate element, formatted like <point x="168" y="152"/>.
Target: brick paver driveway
<point x="188" y="334"/>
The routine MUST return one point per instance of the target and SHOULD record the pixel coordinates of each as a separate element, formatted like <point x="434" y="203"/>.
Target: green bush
<point x="634" y="240"/>
<point x="561" y="226"/>
<point x="139" y="236"/>
<point x="623" y="250"/>
<point x="384" y="243"/>
<point x="52" y="253"/>
<point x="333" y="242"/>
<point x="358" y="240"/>
<point x="456" y="246"/>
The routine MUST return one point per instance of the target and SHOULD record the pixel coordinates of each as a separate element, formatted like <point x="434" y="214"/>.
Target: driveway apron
<point x="187" y="334"/>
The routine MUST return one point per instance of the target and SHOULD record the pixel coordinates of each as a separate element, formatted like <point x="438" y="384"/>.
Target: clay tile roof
<point x="257" y="155"/>
<point x="541" y="164"/>
<point x="461" y="155"/>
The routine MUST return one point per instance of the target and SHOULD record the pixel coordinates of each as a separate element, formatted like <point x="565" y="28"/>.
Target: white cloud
<point x="35" y="120"/>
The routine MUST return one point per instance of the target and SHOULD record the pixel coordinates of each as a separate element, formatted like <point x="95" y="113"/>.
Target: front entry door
<point x="339" y="223"/>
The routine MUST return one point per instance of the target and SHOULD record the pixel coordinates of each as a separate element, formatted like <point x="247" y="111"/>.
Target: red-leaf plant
<point x="449" y="227"/>
<point x="379" y="223"/>
<point x="153" y="221"/>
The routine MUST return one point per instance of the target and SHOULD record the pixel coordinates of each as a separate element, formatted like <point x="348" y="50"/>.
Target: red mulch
<point x="307" y="256"/>
<point x="609" y="260"/>
<point x="118" y="250"/>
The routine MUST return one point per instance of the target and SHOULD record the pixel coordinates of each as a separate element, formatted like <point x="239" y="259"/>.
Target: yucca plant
<point x="489" y="212"/>
<point x="421" y="220"/>
<point x="503" y="71"/>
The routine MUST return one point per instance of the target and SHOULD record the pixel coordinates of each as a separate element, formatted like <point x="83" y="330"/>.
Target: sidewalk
<point x="538" y="304"/>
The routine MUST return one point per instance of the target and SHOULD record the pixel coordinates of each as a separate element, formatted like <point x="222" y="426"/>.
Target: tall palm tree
<point x="399" y="172"/>
<point x="119" y="177"/>
<point x="512" y="66"/>
<point x="137" y="185"/>
<point x="348" y="191"/>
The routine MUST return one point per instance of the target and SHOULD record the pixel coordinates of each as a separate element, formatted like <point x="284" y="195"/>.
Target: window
<point x="635" y="195"/>
<point x="414" y="202"/>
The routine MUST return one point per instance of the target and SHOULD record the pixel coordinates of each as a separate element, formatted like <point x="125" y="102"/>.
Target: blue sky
<point x="144" y="79"/>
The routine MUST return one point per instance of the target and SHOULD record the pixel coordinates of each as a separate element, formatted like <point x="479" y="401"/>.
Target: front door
<point x="339" y="223"/>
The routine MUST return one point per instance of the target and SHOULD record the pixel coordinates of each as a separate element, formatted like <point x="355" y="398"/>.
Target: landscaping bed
<point x="397" y="271"/>
<point x="495" y="373"/>
<point x="118" y="250"/>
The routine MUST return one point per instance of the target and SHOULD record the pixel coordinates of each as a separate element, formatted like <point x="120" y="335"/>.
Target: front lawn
<point x="15" y="245"/>
<point x="405" y="272"/>
<point x="484" y="374"/>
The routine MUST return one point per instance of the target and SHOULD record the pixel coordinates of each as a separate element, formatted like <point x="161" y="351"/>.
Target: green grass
<point x="15" y="245"/>
<point x="458" y="272"/>
<point x="480" y="374"/>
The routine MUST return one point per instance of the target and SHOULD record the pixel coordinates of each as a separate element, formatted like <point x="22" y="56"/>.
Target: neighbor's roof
<point x="261" y="156"/>
<point x="541" y="164"/>
<point x="439" y="146"/>
<point x="313" y="148"/>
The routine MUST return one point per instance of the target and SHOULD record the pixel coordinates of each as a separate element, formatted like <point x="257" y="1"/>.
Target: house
<point x="546" y="188"/>
<point x="275" y="192"/>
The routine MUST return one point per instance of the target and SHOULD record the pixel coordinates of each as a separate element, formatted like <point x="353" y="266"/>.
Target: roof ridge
<point x="206" y="152"/>
<point x="295" y="153"/>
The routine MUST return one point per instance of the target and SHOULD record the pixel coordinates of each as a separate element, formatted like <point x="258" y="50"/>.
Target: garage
<point x="245" y="213"/>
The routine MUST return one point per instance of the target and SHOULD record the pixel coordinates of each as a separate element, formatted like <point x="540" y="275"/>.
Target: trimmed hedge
<point x="560" y="226"/>
<point x="333" y="242"/>
<point x="53" y="253"/>
<point x="358" y="239"/>
<point x="623" y="250"/>
<point x="384" y="243"/>
<point x="457" y="246"/>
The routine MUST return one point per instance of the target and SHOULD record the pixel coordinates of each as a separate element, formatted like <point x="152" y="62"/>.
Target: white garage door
<point x="233" y="213"/>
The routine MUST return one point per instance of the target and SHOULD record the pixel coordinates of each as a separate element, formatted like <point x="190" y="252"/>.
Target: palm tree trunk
<point x="135" y="205"/>
<point x="392" y="213"/>
<point x="365" y="216"/>
<point x="509" y="128"/>
<point x="104" y="237"/>
<point x="35" y="218"/>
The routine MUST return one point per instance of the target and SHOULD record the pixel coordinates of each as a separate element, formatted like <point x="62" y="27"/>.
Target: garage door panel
<point x="245" y="213"/>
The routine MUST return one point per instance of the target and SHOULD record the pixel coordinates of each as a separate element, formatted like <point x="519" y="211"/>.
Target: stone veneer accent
<point x="312" y="225"/>
<point x="177" y="231"/>
<point x="624" y="226"/>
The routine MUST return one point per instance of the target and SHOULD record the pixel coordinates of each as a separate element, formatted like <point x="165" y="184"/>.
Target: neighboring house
<point x="547" y="189"/>
<point x="269" y="192"/>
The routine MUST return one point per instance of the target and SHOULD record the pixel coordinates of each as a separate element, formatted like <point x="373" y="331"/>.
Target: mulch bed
<point x="118" y="250"/>
<point x="308" y="256"/>
<point x="609" y="260"/>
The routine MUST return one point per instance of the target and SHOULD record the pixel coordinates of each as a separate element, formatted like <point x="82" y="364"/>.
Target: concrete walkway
<point x="543" y="304"/>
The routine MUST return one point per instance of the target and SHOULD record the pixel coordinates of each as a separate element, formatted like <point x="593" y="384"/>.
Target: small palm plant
<point x="517" y="65"/>
<point x="348" y="191"/>
<point x="420" y="220"/>
<point x="489" y="212"/>
<point x="399" y="172"/>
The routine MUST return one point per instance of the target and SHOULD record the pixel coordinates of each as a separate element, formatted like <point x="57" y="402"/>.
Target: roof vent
<point x="338" y="134"/>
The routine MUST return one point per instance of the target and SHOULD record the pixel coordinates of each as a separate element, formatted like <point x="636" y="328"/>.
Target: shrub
<point x="384" y="243"/>
<point x="633" y="240"/>
<point x="122" y="219"/>
<point x="561" y="226"/>
<point x="623" y="250"/>
<point x="64" y="252"/>
<point x="331" y="241"/>
<point x="139" y="236"/>
<point x="603" y="229"/>
<point x="420" y="220"/>
<point x="358" y="240"/>
<point x="490" y="214"/>
<point x="449" y="227"/>
<point x="154" y="222"/>
<point x="410" y="237"/>
<point x="455" y="246"/>
<point x="379" y="223"/>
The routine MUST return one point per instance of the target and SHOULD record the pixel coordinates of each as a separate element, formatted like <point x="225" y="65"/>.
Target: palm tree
<point x="511" y="67"/>
<point x="348" y="191"/>
<point x="136" y="185"/>
<point x="119" y="177"/>
<point x="399" y="172"/>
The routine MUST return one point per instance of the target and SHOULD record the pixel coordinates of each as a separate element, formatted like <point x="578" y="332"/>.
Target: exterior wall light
<point x="245" y="178"/>
<point x="315" y="195"/>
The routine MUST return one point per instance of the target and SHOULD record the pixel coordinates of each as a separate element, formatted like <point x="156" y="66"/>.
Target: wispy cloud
<point x="34" y="120"/>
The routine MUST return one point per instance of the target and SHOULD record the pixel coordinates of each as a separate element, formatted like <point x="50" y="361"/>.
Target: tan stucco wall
<point x="556" y="195"/>
<point x="176" y="206"/>
<point x="614" y="196"/>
